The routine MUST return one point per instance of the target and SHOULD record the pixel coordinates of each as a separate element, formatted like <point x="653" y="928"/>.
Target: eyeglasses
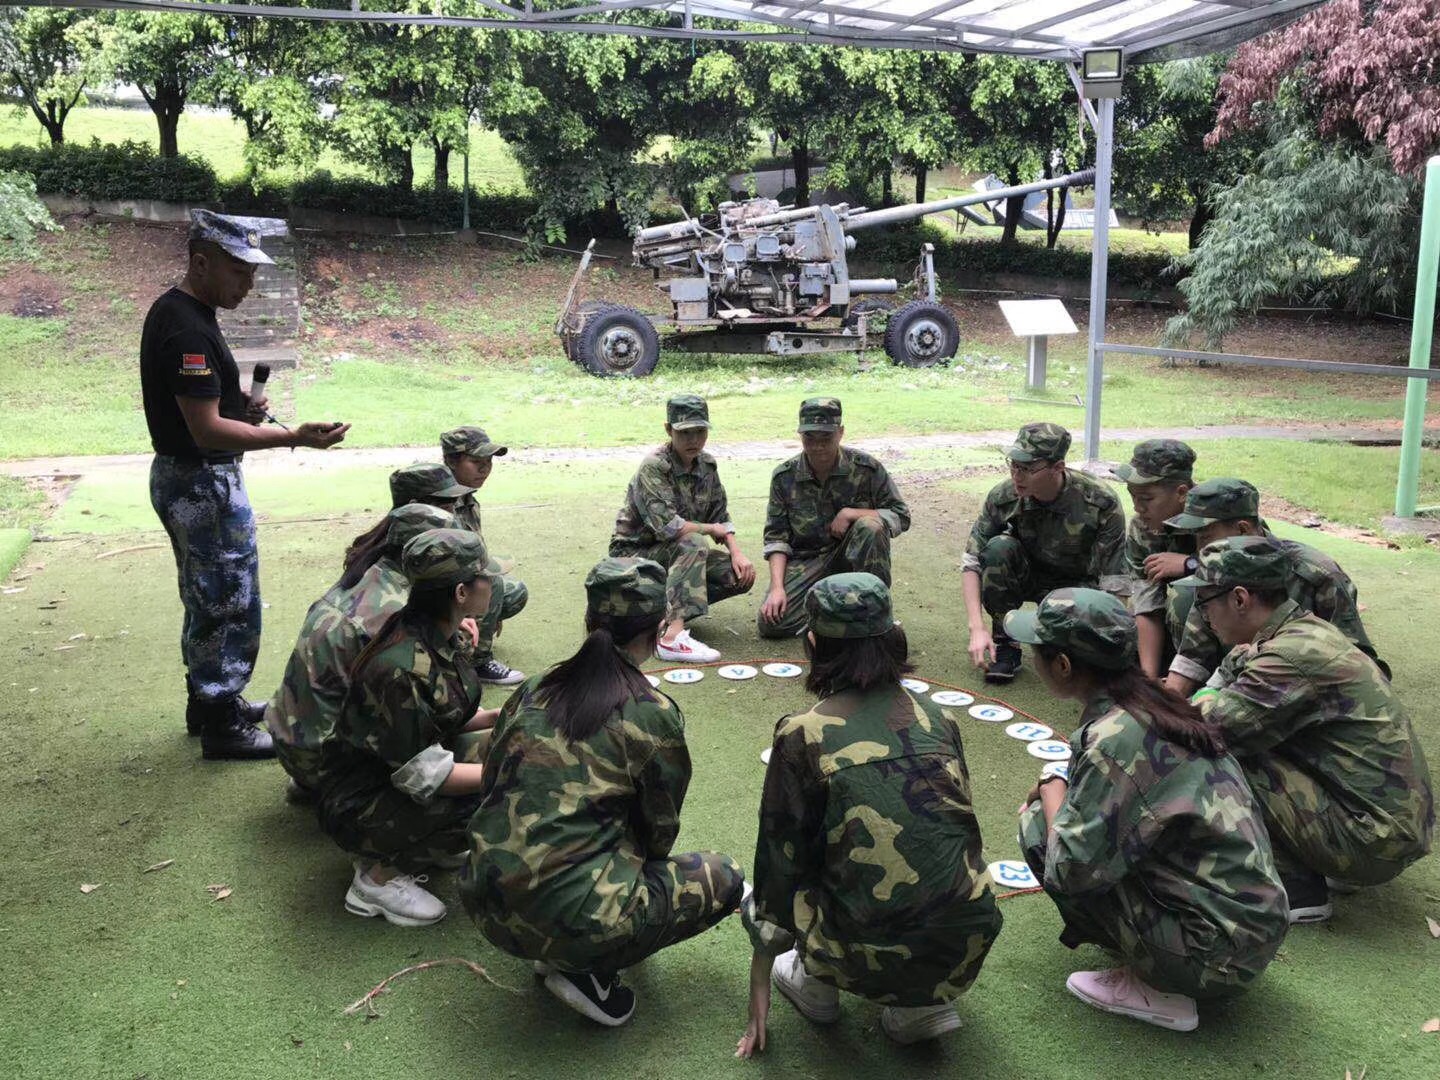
<point x="1201" y="601"/>
<point x="1028" y="470"/>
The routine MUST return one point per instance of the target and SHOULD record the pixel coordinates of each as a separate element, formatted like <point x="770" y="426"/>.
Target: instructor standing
<point x="201" y="423"/>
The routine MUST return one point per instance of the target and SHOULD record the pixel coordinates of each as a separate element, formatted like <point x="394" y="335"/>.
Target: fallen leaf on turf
<point x="158" y="866"/>
<point x="13" y="591"/>
<point x="296" y="1042"/>
<point x="88" y="889"/>
<point x="1434" y="926"/>
<point x="75" y="637"/>
<point x="1431" y="1026"/>
<point x="218" y="892"/>
<point x="63" y="648"/>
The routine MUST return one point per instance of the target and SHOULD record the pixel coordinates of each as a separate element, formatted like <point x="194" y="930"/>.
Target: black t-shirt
<point x="183" y="353"/>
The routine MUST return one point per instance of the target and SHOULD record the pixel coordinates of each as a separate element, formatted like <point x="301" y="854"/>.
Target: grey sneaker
<point x="494" y="673"/>
<point x="401" y="900"/>
<point x="817" y="1001"/>
<point x="917" y="1024"/>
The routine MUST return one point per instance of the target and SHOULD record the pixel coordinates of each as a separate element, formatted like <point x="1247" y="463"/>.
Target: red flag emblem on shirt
<point x="194" y="364"/>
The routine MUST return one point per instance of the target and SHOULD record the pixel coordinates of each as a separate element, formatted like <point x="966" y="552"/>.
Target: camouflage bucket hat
<point x="472" y="442"/>
<point x="1039" y="442"/>
<point x="237" y="236"/>
<point x="849" y="606"/>
<point x="1256" y="562"/>
<point x="626" y="586"/>
<point x="1087" y="624"/>
<point x="1217" y="500"/>
<point x="686" y="411"/>
<point x="1159" y="461"/>
<point x="418" y="483"/>
<point x="412" y="519"/>
<point x="819" y="414"/>
<point x="440" y="557"/>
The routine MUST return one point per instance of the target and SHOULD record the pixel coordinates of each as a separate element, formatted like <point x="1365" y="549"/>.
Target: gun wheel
<point x="583" y="312"/>
<point x="618" y="340"/>
<point x="921" y="334"/>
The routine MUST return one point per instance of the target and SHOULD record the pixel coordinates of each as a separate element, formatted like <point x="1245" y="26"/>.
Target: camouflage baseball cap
<point x="1217" y="500"/>
<point x="423" y="481"/>
<point x="1039" y="442"/>
<point x="238" y="236"/>
<point x="686" y="411"/>
<point x="1087" y="624"/>
<point x="819" y="414"/>
<point x="1159" y="461"/>
<point x="626" y="586"/>
<point x="472" y="442"/>
<point x="412" y="519"/>
<point x="1256" y="562"/>
<point x="440" y="557"/>
<point x="849" y="606"/>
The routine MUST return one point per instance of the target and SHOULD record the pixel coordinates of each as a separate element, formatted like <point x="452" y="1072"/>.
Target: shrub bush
<point x="22" y="215"/>
<point x="127" y="170"/>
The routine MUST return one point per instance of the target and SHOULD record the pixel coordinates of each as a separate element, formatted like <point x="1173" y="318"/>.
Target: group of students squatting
<point x="1240" y="755"/>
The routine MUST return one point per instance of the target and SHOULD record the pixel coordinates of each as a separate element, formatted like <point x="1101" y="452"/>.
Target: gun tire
<point x="585" y="310"/>
<point x="620" y="341"/>
<point x="921" y="334"/>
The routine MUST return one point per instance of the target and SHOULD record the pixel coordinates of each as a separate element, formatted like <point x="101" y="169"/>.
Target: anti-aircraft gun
<point x="758" y="277"/>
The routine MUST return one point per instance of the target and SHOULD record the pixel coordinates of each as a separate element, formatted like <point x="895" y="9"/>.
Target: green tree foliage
<point x="167" y="57"/>
<point x="22" y="215"/>
<point x="47" y="57"/>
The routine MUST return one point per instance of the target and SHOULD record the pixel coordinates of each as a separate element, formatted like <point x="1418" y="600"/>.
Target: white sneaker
<point x="919" y="1023"/>
<point x="686" y="648"/>
<point x="400" y="900"/>
<point x="1122" y="992"/>
<point x="817" y="1001"/>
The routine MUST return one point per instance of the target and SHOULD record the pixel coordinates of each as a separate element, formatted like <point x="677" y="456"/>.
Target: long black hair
<point x="364" y="552"/>
<point x="423" y="605"/>
<point x="844" y="663"/>
<point x="1152" y="703"/>
<point x="581" y="693"/>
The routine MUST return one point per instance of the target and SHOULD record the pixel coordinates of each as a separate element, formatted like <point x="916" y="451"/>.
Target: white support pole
<point x="1099" y="273"/>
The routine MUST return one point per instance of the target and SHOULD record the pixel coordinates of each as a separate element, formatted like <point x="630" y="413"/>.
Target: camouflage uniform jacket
<point x="1169" y="828"/>
<point x="1317" y="585"/>
<point x="1077" y="538"/>
<point x="400" y="720"/>
<point x="663" y="496"/>
<point x="1301" y="691"/>
<point x="1148" y="597"/>
<point x="563" y="830"/>
<point x="467" y="513"/>
<point x="797" y="521"/>
<point x="867" y="806"/>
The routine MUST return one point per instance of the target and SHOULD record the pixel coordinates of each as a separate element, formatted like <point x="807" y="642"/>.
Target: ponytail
<point x="581" y="693"/>
<point x="422" y="605"/>
<point x="364" y="552"/>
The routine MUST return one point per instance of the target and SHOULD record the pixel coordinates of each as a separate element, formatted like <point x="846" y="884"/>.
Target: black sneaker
<point x="494" y="673"/>
<point x="1006" y="665"/>
<point x="603" y="1000"/>
<point x="228" y="734"/>
<point x="1309" y="898"/>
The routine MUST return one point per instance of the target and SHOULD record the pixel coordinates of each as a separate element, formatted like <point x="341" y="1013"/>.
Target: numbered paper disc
<point x="736" y="671"/>
<point x="782" y="671"/>
<point x="1028" y="731"/>
<point x="915" y="686"/>
<point x="1056" y="768"/>
<point x="653" y="680"/>
<point x="956" y="698"/>
<point x="1012" y="874"/>
<point x="765" y="755"/>
<point x="1049" y="750"/>
<point x="995" y="714"/>
<point x="684" y="675"/>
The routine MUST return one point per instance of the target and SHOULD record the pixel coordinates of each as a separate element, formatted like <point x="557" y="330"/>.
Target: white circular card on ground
<point x="736" y="671"/>
<point x="653" y="680"/>
<point x="684" y="675"/>
<point x="1013" y="874"/>
<point x="1056" y="768"/>
<point x="915" y="686"/>
<point x="951" y="697"/>
<point x="1028" y="731"/>
<point x="995" y="714"/>
<point x="782" y="671"/>
<point x="765" y="755"/>
<point x="1049" y="750"/>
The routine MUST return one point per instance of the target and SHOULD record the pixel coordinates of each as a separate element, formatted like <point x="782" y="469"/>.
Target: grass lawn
<point x="146" y="975"/>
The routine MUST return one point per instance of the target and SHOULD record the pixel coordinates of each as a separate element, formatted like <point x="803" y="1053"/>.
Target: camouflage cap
<point x="686" y="411"/>
<point x="412" y="519"/>
<point x="424" y="481"/>
<point x="472" y="442"/>
<point x="1039" y="442"/>
<point x="819" y="414"/>
<point x="1087" y="624"/>
<point x="1256" y="562"/>
<point x="440" y="557"/>
<point x="626" y="586"/>
<point x="849" y="606"/>
<point x="1159" y="461"/>
<point x="237" y="236"/>
<point x="1224" y="499"/>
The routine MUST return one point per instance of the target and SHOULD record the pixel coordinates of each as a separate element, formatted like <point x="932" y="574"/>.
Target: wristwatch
<point x="1191" y="564"/>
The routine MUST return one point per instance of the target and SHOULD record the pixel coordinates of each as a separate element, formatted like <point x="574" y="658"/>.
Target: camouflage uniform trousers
<point x="507" y="599"/>
<point x="207" y="515"/>
<point x="675" y="899"/>
<point x="1148" y="937"/>
<point x="698" y="573"/>
<point x="1312" y="833"/>
<point x="865" y="547"/>
<point x="1008" y="578"/>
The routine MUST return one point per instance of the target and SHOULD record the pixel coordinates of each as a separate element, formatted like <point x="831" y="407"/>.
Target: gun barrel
<point x="873" y="218"/>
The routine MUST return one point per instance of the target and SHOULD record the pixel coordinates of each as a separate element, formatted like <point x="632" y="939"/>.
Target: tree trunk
<point x="169" y="124"/>
<point x="1203" y="215"/>
<point x="52" y="119"/>
<point x="442" y="167"/>
<point x="921" y="173"/>
<point x="800" y="162"/>
<point x="407" y="169"/>
<point x="1014" y="206"/>
<point x="887" y="185"/>
<point x="1054" y="210"/>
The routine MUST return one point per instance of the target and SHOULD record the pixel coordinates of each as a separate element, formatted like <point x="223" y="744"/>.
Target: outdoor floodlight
<point x="1101" y="71"/>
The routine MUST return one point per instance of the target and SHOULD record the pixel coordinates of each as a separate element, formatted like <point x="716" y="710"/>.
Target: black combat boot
<point x="1007" y="658"/>
<point x="227" y="732"/>
<point x="195" y="710"/>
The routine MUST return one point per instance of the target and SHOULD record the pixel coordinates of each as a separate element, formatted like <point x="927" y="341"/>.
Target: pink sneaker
<point x="1120" y="991"/>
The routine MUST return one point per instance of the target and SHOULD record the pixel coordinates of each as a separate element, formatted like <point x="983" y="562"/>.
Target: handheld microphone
<point x="258" y="378"/>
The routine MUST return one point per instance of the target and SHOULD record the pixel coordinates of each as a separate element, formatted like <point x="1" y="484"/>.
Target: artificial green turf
<point x="148" y="976"/>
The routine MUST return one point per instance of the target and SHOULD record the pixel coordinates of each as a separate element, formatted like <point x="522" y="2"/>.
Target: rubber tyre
<point x="618" y="341"/>
<point x="921" y="334"/>
<point x="588" y="307"/>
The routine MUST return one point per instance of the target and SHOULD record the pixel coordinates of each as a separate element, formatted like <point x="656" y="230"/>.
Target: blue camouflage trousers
<point x="207" y="516"/>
